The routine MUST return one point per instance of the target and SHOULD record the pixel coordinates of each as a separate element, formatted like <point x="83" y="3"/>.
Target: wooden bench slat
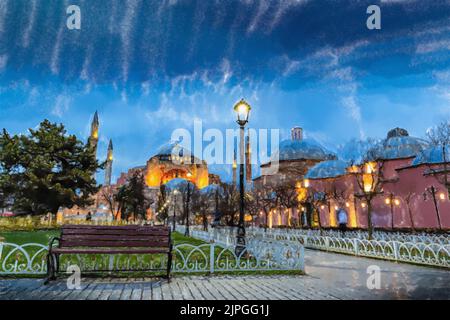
<point x="134" y="227"/>
<point x="118" y="232"/>
<point x="112" y="237"/>
<point x="109" y="251"/>
<point x="115" y="243"/>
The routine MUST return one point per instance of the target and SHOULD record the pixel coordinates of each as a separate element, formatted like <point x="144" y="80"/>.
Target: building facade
<point x="413" y="190"/>
<point x="288" y="165"/>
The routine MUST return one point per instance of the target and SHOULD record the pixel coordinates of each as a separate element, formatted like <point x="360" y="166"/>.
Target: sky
<point x="150" y="67"/>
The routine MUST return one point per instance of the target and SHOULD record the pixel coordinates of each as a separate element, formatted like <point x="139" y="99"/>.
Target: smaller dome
<point x="397" y="145"/>
<point x="402" y="147"/>
<point x="327" y="169"/>
<point x="211" y="189"/>
<point x="397" y="132"/>
<point x="432" y="155"/>
<point x="177" y="183"/>
<point x="301" y="150"/>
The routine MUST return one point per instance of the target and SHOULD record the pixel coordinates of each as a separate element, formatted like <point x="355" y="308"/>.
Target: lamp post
<point x="175" y="192"/>
<point x="391" y="201"/>
<point x="188" y="199"/>
<point x="242" y="109"/>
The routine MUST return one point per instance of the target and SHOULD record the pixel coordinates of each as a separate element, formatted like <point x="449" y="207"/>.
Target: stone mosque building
<point x="170" y="162"/>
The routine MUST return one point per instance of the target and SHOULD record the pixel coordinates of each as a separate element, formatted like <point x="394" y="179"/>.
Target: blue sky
<point x="150" y="67"/>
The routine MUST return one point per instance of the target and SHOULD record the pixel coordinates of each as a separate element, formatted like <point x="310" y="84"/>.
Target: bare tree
<point x="229" y="203"/>
<point x="109" y="195"/>
<point x="287" y="195"/>
<point x="200" y="206"/>
<point x="369" y="177"/>
<point x="265" y="200"/>
<point x="186" y="190"/>
<point x="368" y="173"/>
<point x="408" y="199"/>
<point x="439" y="137"/>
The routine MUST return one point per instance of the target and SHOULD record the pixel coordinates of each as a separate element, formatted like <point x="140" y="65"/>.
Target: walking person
<point x="342" y="220"/>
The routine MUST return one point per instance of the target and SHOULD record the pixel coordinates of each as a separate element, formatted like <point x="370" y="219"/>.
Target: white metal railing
<point x="421" y="249"/>
<point x="426" y="238"/>
<point x="260" y="255"/>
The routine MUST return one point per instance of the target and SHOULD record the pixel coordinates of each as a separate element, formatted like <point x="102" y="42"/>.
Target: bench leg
<point x="57" y="262"/>
<point x="169" y="265"/>
<point x="50" y="269"/>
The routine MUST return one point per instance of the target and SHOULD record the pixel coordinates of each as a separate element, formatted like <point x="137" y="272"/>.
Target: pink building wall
<point x="405" y="185"/>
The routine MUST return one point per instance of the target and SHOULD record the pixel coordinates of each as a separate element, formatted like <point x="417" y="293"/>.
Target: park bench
<point x="111" y="240"/>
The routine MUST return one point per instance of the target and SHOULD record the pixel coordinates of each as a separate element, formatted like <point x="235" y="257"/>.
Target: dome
<point x="301" y="150"/>
<point x="172" y="147"/>
<point x="166" y="151"/>
<point x="327" y="169"/>
<point x="177" y="183"/>
<point x="432" y="155"/>
<point x="397" y="145"/>
<point x="211" y="189"/>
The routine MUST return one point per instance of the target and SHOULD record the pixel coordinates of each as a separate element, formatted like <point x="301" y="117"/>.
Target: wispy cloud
<point x="29" y="28"/>
<point x="62" y="104"/>
<point x="3" y="61"/>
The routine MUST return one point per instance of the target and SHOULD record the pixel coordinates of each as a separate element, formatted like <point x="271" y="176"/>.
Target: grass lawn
<point x="22" y="237"/>
<point x="44" y="236"/>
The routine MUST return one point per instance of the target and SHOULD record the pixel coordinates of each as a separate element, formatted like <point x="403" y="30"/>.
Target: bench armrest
<point x="52" y="241"/>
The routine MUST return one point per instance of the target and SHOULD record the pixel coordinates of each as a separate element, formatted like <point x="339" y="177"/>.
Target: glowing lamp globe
<point x="242" y="109"/>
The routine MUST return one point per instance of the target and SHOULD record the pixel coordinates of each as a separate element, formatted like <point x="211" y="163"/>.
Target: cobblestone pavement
<point x="329" y="276"/>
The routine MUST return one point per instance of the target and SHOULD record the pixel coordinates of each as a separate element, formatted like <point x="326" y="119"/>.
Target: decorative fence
<point x="423" y="237"/>
<point x="261" y="255"/>
<point x="425" y="249"/>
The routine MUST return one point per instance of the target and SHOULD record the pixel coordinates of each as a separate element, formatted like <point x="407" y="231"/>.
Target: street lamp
<point x="390" y="200"/>
<point x="242" y="109"/>
<point x="175" y="192"/>
<point x="188" y="199"/>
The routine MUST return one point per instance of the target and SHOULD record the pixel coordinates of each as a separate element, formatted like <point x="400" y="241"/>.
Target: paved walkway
<point x="329" y="276"/>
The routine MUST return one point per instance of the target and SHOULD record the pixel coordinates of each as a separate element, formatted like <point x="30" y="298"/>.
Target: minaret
<point x="108" y="166"/>
<point x="297" y="133"/>
<point x="234" y="168"/>
<point x="93" y="138"/>
<point x="248" y="161"/>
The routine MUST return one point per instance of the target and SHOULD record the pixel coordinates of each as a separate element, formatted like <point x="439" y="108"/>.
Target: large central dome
<point x="172" y="148"/>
